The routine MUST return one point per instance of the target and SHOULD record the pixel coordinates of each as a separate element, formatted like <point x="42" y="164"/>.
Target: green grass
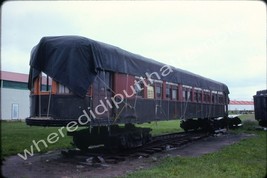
<point x="246" y="158"/>
<point x="17" y="136"/>
<point x="246" y="117"/>
<point x="164" y="127"/>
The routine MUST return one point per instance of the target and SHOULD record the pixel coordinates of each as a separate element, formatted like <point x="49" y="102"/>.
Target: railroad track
<point x="100" y="156"/>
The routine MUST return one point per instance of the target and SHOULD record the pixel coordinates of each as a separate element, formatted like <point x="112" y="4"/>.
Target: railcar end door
<point x="102" y="93"/>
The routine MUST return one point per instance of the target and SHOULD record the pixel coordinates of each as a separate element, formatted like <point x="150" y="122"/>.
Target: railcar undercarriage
<point x="128" y="137"/>
<point x="212" y="124"/>
<point x="112" y="137"/>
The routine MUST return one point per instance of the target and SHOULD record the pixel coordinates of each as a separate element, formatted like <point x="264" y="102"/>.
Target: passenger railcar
<point x="260" y="107"/>
<point x="76" y="79"/>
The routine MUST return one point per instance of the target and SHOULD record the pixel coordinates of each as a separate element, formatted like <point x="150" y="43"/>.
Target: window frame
<point x="150" y="92"/>
<point x="206" y="96"/>
<point x="198" y="95"/>
<point x="158" y="84"/>
<point x="187" y="92"/>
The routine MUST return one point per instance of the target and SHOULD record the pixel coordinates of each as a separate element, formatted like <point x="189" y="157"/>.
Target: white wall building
<point x="15" y="102"/>
<point x="241" y="106"/>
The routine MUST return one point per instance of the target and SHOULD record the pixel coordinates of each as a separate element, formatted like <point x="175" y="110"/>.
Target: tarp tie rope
<point x="49" y="102"/>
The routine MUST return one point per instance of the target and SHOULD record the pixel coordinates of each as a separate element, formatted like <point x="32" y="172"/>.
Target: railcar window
<point x="187" y="94"/>
<point x="196" y="96"/>
<point x="174" y="94"/>
<point x="214" y="97"/>
<point x="63" y="89"/>
<point x="200" y="97"/>
<point x="158" y="87"/>
<point x="220" y="98"/>
<point x="190" y="95"/>
<point x="184" y="95"/>
<point x="168" y="91"/>
<point x="150" y="92"/>
<point x="206" y="96"/>
<point x="139" y="88"/>
<point x="45" y="82"/>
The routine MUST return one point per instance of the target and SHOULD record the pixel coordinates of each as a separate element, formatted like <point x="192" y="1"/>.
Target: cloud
<point x="222" y="40"/>
<point x="14" y="60"/>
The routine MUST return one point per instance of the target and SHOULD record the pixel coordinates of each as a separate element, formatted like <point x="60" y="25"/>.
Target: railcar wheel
<point x="234" y="122"/>
<point x="115" y="138"/>
<point x="80" y="144"/>
<point x="263" y="123"/>
<point x="80" y="140"/>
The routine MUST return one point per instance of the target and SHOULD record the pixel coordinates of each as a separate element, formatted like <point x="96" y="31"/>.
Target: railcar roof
<point x="75" y="61"/>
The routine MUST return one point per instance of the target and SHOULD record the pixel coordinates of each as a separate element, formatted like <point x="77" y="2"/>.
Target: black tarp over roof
<point x="74" y="62"/>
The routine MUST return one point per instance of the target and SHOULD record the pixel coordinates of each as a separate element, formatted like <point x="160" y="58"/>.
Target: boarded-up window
<point x="150" y="92"/>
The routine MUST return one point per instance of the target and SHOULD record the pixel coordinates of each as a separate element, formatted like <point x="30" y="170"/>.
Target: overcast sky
<point x="221" y="40"/>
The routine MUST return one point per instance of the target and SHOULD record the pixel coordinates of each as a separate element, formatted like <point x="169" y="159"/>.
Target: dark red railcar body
<point x="111" y="86"/>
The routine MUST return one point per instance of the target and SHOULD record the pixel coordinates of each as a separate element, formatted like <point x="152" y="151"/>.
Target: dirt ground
<point x="53" y="164"/>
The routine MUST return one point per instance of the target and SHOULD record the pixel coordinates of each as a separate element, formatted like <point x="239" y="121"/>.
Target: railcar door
<point x="102" y="93"/>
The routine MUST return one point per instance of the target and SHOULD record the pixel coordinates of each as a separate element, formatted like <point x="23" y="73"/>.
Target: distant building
<point x="241" y="106"/>
<point x="15" y="103"/>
